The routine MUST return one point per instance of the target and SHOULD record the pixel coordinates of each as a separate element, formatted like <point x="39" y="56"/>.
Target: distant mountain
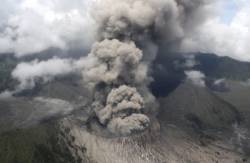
<point x="222" y="67"/>
<point x="168" y="70"/>
<point x="198" y="107"/>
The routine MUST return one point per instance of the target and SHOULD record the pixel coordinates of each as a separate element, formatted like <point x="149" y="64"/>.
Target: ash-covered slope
<point x="164" y="143"/>
<point x="238" y="95"/>
<point x="199" y="107"/>
<point x="170" y="139"/>
<point x="27" y="112"/>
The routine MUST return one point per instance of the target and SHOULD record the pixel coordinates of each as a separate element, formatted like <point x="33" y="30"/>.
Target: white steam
<point x="196" y="77"/>
<point x="29" y="73"/>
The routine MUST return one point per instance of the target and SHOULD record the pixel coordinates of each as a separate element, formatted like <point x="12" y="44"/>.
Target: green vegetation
<point x="40" y="144"/>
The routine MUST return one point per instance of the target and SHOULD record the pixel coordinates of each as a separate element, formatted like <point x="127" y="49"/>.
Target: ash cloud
<point x="118" y="67"/>
<point x="149" y="22"/>
<point x="128" y="34"/>
<point x="114" y="62"/>
<point x="123" y="111"/>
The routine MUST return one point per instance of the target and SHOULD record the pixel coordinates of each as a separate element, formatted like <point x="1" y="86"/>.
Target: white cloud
<point x="225" y="39"/>
<point x="196" y="77"/>
<point x="28" y="73"/>
<point x="32" y="26"/>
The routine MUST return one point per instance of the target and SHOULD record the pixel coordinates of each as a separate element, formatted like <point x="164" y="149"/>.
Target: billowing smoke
<point x="112" y="70"/>
<point x="117" y="70"/>
<point x="116" y="64"/>
<point x="123" y="111"/>
<point x="151" y="21"/>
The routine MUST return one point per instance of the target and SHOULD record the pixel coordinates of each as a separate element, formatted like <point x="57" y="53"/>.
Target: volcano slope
<point x="200" y="131"/>
<point x="193" y="125"/>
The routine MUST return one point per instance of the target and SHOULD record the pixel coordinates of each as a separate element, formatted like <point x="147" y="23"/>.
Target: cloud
<point x="127" y="36"/>
<point x="225" y="39"/>
<point x="196" y="77"/>
<point x="168" y="21"/>
<point x="32" y="26"/>
<point x="28" y="73"/>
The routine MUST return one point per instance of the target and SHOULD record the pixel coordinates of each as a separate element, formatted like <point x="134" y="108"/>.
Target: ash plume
<point x="151" y="21"/>
<point x="130" y="34"/>
<point x="123" y="111"/>
<point x="114" y="62"/>
<point x="117" y="66"/>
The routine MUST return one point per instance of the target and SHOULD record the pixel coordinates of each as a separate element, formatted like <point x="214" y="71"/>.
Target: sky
<point x="229" y="10"/>
<point x="32" y="26"/>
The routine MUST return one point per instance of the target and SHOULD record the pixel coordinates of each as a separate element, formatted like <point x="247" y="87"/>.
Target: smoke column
<point x="114" y="70"/>
<point x="129" y="35"/>
<point x="118" y="67"/>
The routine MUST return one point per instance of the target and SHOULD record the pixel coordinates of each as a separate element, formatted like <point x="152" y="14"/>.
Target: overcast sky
<point x="227" y="33"/>
<point x="31" y="26"/>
